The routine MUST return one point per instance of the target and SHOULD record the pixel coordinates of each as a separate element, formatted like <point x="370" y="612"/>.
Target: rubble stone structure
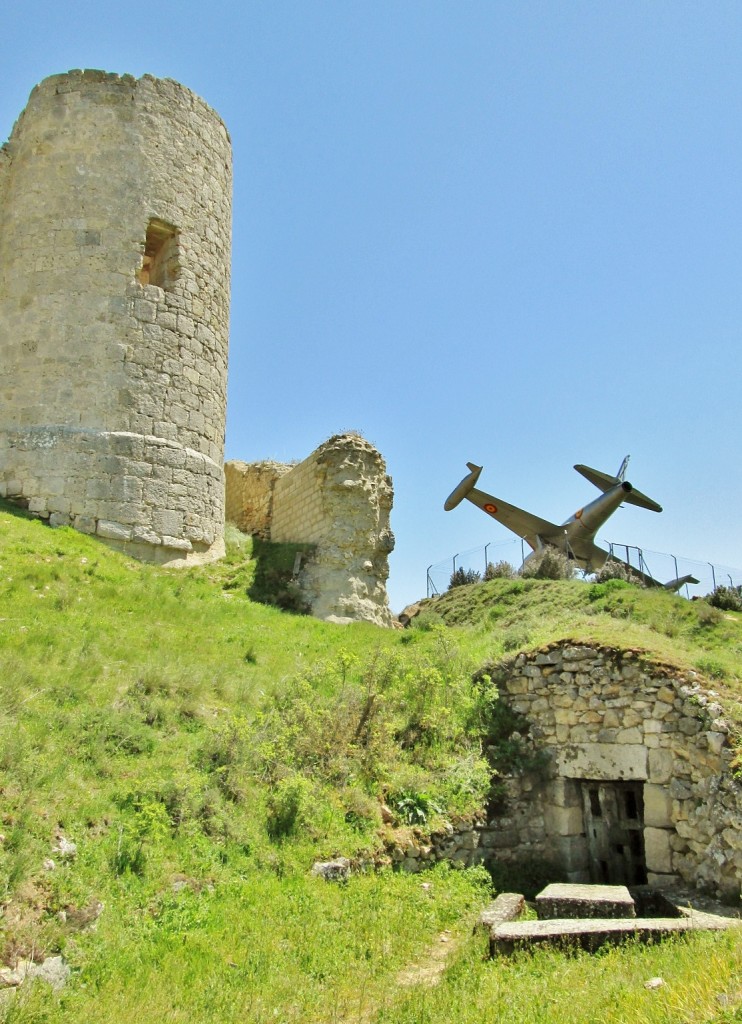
<point x="628" y="776"/>
<point x="639" y="771"/>
<point x="338" y="500"/>
<point x="115" y="222"/>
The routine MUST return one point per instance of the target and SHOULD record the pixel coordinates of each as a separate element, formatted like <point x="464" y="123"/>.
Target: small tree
<point x="463" y="576"/>
<point x="499" y="571"/>
<point x="728" y="599"/>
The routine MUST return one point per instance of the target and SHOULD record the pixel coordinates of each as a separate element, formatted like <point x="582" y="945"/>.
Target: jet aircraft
<point x="576" y="536"/>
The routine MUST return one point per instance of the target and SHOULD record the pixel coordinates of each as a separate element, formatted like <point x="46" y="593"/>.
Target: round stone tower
<point x="115" y="223"/>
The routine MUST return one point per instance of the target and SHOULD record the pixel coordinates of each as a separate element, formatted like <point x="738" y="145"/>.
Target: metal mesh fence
<point x="661" y="565"/>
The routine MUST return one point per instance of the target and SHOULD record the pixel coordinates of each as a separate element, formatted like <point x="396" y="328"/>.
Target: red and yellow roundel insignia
<point x="578" y="513"/>
<point x="491" y="509"/>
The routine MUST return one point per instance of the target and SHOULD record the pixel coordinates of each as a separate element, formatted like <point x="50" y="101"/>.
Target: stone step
<point x="595" y="932"/>
<point x="560" y="900"/>
<point x="506" y="907"/>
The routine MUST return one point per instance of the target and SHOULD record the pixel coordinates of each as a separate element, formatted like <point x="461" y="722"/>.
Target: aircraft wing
<point x="527" y="526"/>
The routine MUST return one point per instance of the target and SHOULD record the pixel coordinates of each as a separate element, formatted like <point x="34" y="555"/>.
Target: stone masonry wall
<point x="249" y="494"/>
<point x="610" y="715"/>
<point x="339" y="500"/>
<point x="115" y="223"/>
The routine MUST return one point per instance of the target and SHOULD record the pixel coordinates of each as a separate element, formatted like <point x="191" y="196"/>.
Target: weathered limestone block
<point x="657" y="806"/>
<point x="507" y="906"/>
<point x="584" y="901"/>
<point x="657" y="850"/>
<point x="660" y="765"/>
<point x="592" y="934"/>
<point x="563" y="821"/>
<point x="603" y="761"/>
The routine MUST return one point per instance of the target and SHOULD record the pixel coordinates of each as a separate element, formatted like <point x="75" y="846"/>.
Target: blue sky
<point x="502" y="232"/>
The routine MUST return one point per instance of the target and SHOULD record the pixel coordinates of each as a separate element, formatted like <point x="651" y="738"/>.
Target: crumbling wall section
<point x="249" y="494"/>
<point x="339" y="500"/>
<point x="115" y="226"/>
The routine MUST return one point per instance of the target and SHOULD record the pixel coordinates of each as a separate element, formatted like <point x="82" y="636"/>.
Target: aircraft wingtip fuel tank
<point x="458" y="494"/>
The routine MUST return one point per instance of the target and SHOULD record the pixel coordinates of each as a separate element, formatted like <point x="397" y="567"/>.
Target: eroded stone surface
<point x="337" y="870"/>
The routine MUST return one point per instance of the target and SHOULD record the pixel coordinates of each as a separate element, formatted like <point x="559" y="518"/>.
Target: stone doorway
<point x="614" y="825"/>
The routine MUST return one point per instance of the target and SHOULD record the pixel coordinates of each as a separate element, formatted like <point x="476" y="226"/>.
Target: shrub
<point x="548" y="564"/>
<point x="614" y="570"/>
<point x="462" y="577"/>
<point x="727" y="599"/>
<point x="499" y="571"/>
<point x="236" y="542"/>
<point x="515" y="638"/>
<point x="711" y="668"/>
<point x="411" y="727"/>
<point x="287" y="805"/>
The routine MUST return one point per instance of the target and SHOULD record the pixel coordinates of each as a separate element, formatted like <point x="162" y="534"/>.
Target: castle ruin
<point x="115" y="221"/>
<point x="338" y="501"/>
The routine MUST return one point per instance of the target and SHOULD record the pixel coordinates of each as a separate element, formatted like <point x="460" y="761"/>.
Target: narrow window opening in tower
<point x="161" y="259"/>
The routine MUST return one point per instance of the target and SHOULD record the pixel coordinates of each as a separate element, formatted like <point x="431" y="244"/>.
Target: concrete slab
<point x="591" y="934"/>
<point x="560" y="900"/>
<point x="508" y="906"/>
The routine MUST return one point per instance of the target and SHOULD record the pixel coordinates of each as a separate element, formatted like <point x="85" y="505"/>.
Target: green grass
<point x="702" y="982"/>
<point x="203" y="749"/>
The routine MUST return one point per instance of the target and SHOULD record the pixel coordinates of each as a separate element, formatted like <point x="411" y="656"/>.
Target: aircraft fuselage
<point x="580" y="529"/>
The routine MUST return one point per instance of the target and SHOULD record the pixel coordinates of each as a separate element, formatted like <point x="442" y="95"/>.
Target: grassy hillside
<point x="202" y="750"/>
<point x="523" y="614"/>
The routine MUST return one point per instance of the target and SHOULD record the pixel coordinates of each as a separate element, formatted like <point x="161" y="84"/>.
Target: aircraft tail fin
<point x="675" y="585"/>
<point x="635" y="497"/>
<point x="622" y="468"/>
<point x="604" y="482"/>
